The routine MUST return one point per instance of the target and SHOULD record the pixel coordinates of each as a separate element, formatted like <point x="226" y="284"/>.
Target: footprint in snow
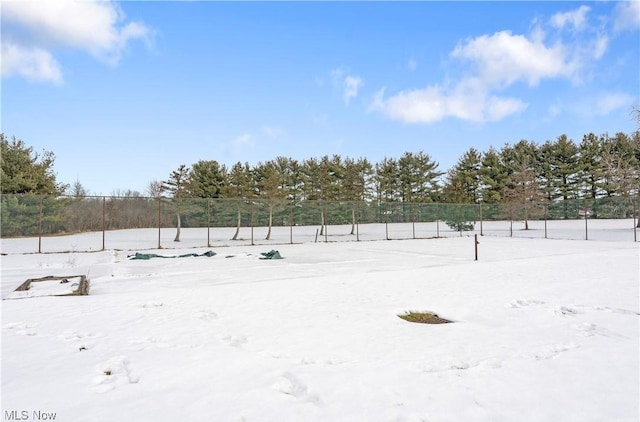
<point x="615" y="310"/>
<point x="566" y="311"/>
<point x="235" y="341"/>
<point x="206" y="315"/>
<point x="113" y="373"/>
<point x="21" y="328"/>
<point x="588" y="330"/>
<point x="83" y="341"/>
<point x="291" y="385"/>
<point x="522" y="303"/>
<point x="152" y="305"/>
<point x="552" y="350"/>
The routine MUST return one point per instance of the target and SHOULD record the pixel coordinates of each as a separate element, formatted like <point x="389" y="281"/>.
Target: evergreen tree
<point x="240" y="185"/>
<point x="591" y="168"/>
<point x="522" y="187"/>
<point x="177" y="187"/>
<point x="463" y="180"/>
<point x="562" y="168"/>
<point x="24" y="171"/>
<point x="493" y="177"/>
<point x="387" y="179"/>
<point x="270" y="182"/>
<point x="207" y="179"/>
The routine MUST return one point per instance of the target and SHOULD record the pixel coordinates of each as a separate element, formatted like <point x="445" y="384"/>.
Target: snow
<point x="544" y="329"/>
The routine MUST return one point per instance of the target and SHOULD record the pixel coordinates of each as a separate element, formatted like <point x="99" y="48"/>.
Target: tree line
<point x="597" y="167"/>
<point x="525" y="174"/>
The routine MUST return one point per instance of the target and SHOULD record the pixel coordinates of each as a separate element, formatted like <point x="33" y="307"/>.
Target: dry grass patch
<point x="423" y="317"/>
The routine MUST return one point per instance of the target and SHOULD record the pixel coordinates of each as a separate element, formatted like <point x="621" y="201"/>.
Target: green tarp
<point x="273" y="254"/>
<point x="139" y="255"/>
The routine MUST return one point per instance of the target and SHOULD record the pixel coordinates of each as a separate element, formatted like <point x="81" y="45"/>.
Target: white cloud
<point x="503" y="58"/>
<point x="492" y="63"/>
<point x="33" y="64"/>
<point x="576" y="18"/>
<point x="627" y="15"/>
<point x="242" y="146"/>
<point x="349" y="85"/>
<point x="273" y="132"/>
<point x="433" y="103"/>
<point x="97" y="28"/>
<point x="610" y="102"/>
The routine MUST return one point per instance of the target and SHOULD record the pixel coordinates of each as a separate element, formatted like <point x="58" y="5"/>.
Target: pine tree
<point x="24" y="171"/>
<point x="177" y="187"/>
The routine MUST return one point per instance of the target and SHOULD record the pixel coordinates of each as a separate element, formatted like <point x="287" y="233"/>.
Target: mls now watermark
<point x="27" y="415"/>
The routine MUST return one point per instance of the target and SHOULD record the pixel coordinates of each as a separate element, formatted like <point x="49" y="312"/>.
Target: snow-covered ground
<point x="615" y="230"/>
<point x="544" y="330"/>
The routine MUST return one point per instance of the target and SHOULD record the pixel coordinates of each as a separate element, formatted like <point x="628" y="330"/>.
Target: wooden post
<point x="476" y="245"/>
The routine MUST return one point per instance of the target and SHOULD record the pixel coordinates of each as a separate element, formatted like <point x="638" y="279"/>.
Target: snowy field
<point x="613" y="230"/>
<point x="544" y="329"/>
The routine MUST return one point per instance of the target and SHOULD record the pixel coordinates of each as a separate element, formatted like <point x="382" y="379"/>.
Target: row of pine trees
<point x="598" y="166"/>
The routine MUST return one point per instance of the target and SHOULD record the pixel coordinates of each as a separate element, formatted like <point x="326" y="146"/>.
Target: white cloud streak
<point x="575" y="19"/>
<point x="349" y="85"/>
<point x="627" y="16"/>
<point x="33" y="30"/>
<point x="611" y="102"/>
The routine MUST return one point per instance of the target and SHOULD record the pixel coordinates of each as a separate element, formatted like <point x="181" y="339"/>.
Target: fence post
<point x="546" y="212"/>
<point x="357" y="221"/>
<point x="251" y="221"/>
<point x="386" y="222"/>
<point x="413" y="223"/>
<point x="208" y="222"/>
<point x="510" y="220"/>
<point x="291" y="225"/>
<point x="438" y="222"/>
<point x="480" y="206"/>
<point x="460" y="219"/>
<point x="635" y="213"/>
<point x="40" y="225"/>
<point x="476" y="244"/>
<point x="159" y="220"/>
<point x="104" y="206"/>
<point x="586" y="224"/>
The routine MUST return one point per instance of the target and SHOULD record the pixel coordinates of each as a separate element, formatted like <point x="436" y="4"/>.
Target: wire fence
<point x="31" y="223"/>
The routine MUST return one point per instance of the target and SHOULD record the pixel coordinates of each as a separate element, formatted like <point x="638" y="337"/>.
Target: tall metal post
<point x="635" y="215"/>
<point x="291" y="225"/>
<point x="208" y="222"/>
<point x="480" y="206"/>
<point x="159" y="220"/>
<point x="40" y="225"/>
<point x="586" y="224"/>
<point x="104" y="207"/>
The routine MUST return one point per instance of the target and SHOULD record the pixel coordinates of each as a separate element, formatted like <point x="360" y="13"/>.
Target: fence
<point x="32" y="223"/>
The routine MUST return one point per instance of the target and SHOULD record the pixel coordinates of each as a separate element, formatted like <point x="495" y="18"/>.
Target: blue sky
<point x="123" y="93"/>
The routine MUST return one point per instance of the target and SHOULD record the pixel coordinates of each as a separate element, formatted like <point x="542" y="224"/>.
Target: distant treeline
<point x="523" y="177"/>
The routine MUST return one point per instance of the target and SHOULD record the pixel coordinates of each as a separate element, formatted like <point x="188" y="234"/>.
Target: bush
<point x="464" y="226"/>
